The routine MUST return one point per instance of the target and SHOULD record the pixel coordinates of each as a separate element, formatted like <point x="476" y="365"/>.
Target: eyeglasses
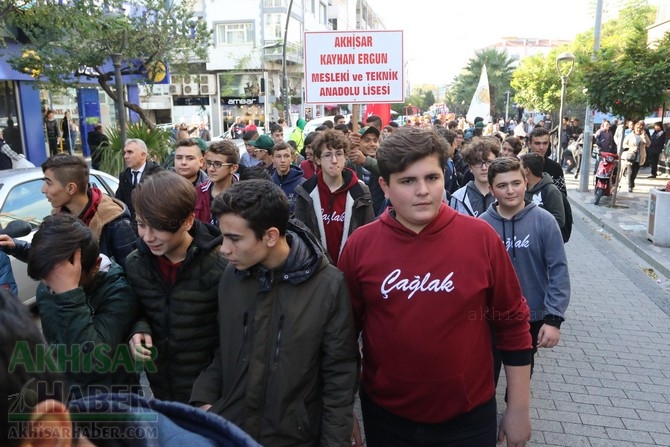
<point x="331" y="155"/>
<point x="483" y="163"/>
<point x="216" y="164"/>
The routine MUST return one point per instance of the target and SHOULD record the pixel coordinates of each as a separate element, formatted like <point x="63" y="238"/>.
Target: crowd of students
<point x="244" y="287"/>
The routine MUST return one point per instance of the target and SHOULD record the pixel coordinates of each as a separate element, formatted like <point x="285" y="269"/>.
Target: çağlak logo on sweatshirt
<point x="517" y="243"/>
<point x="415" y="284"/>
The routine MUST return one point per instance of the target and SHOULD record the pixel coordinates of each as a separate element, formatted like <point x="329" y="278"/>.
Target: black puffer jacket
<point x="181" y="319"/>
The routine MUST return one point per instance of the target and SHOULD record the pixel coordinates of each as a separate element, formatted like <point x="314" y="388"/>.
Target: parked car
<point x="21" y="198"/>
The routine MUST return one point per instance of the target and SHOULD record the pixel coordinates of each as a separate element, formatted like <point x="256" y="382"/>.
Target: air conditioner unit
<point x="175" y="89"/>
<point x="207" y="79"/>
<point x="144" y="90"/>
<point x="190" y="89"/>
<point x="176" y="79"/>
<point x="189" y="79"/>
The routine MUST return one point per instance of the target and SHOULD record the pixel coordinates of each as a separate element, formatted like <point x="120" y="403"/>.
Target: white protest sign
<point x="349" y="67"/>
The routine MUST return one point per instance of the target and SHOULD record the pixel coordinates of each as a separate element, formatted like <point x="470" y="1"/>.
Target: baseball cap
<point x="367" y="129"/>
<point x="263" y="142"/>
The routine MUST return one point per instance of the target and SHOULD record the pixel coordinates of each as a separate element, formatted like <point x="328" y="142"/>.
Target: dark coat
<point x="286" y="369"/>
<point x="182" y="319"/>
<point x="125" y="190"/>
<point x="99" y="315"/>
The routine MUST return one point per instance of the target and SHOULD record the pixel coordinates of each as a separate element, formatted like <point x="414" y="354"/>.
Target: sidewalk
<point x="628" y="221"/>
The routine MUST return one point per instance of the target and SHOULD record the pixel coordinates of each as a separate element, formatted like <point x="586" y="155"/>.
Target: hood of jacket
<point x="294" y="175"/>
<point x="509" y="228"/>
<point x="173" y="423"/>
<point x="545" y="180"/>
<point x="301" y="123"/>
<point x="305" y="258"/>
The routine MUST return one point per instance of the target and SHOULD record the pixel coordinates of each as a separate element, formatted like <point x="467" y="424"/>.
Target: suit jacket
<point x="124" y="193"/>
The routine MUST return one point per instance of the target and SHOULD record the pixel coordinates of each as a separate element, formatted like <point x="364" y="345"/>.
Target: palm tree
<point x="499" y="66"/>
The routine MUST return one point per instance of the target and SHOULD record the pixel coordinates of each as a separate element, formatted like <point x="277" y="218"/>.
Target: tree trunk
<point x="102" y="81"/>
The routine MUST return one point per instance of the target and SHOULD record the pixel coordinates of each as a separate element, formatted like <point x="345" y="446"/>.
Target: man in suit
<point x="137" y="167"/>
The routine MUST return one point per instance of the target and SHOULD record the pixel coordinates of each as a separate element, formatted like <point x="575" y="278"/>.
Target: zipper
<point x="277" y="344"/>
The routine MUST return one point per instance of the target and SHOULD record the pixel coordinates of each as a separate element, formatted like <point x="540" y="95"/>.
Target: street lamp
<point x="565" y="62"/>
<point x="284" y="86"/>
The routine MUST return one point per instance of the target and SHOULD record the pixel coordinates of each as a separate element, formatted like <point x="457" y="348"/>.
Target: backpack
<point x="566" y="229"/>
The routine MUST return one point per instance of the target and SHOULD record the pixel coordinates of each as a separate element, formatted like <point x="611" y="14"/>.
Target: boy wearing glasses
<point x="474" y="198"/>
<point x="334" y="202"/>
<point x="221" y="162"/>
<point x="188" y="161"/>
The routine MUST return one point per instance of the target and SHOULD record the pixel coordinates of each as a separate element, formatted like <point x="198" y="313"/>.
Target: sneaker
<point x="651" y="176"/>
<point x="630" y="189"/>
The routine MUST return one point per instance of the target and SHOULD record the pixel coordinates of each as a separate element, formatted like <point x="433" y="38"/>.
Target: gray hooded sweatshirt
<point x="535" y="246"/>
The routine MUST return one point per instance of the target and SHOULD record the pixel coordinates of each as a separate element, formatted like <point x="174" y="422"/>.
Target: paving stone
<point x="604" y="421"/>
<point x="630" y="435"/>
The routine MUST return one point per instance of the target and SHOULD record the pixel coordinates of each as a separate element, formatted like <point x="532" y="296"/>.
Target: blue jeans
<point x="477" y="428"/>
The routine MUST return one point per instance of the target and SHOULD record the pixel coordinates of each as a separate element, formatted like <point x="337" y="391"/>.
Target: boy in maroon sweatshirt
<point x="334" y="202"/>
<point x="426" y="285"/>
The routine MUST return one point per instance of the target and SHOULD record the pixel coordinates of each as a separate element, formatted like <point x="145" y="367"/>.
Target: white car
<point x="21" y="198"/>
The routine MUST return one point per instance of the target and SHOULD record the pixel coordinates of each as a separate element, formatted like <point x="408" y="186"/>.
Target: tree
<point x="499" y="66"/>
<point x="537" y="85"/>
<point x="633" y="82"/>
<point x="66" y="43"/>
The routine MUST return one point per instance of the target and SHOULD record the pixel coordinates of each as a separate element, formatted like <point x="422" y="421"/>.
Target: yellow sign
<point x="32" y="61"/>
<point x="157" y="72"/>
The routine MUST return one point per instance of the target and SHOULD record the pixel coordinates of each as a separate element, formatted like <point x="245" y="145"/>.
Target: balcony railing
<point x="272" y="50"/>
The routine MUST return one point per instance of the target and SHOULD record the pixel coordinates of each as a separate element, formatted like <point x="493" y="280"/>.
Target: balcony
<point x="272" y="52"/>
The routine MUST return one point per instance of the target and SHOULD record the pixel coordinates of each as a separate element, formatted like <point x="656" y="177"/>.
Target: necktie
<point x="135" y="174"/>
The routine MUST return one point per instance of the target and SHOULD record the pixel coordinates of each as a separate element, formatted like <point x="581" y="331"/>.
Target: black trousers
<point x="477" y="428"/>
<point x="633" y="169"/>
<point x="652" y="159"/>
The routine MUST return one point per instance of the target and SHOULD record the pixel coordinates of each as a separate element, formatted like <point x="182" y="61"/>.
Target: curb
<point x="639" y="251"/>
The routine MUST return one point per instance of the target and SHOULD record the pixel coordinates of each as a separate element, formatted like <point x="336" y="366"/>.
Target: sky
<point x="440" y="36"/>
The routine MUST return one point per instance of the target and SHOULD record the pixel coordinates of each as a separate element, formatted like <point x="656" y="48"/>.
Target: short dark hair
<point x="330" y="138"/>
<point x="515" y="142"/>
<point x="56" y="239"/>
<point x="329" y="124"/>
<point x="537" y="132"/>
<point x="249" y="136"/>
<point x="336" y="118"/>
<point x="39" y="384"/>
<point x="275" y="127"/>
<point x="478" y="150"/>
<point x="261" y="203"/>
<point x="164" y="200"/>
<point x="280" y="147"/>
<point x="394" y="124"/>
<point x="187" y="142"/>
<point x="256" y="172"/>
<point x="406" y="146"/>
<point x="320" y="128"/>
<point x="226" y="148"/>
<point x="502" y="165"/>
<point x="534" y="162"/>
<point x="342" y="128"/>
<point x="373" y="120"/>
<point x="69" y="169"/>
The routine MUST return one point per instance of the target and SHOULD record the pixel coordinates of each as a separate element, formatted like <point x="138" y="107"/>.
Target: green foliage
<point x="157" y="140"/>
<point x="633" y="82"/>
<point x="499" y="67"/>
<point x="75" y="41"/>
<point x="421" y="97"/>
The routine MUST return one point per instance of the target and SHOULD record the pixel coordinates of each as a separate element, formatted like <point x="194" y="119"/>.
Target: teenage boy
<point x="540" y="188"/>
<point x="221" y="161"/>
<point x="538" y="140"/>
<point x="285" y="371"/>
<point x="188" y="161"/>
<point x="334" y="202"/>
<point x="474" y="198"/>
<point x="85" y="304"/>
<point x="425" y="319"/>
<point x="66" y="187"/>
<point x="174" y="273"/>
<point x="263" y="152"/>
<point x="137" y="168"/>
<point x="287" y="176"/>
<point x="534" y="243"/>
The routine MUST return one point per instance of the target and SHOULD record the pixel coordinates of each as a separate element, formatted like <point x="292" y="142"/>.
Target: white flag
<point x="481" y="100"/>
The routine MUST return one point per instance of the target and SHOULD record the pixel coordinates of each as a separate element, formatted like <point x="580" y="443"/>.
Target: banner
<point x="481" y="100"/>
<point x="381" y="110"/>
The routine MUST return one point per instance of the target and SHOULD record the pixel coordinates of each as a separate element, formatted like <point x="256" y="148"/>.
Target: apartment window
<point x="311" y="6"/>
<point x="274" y="26"/>
<point x="274" y="3"/>
<point x="234" y="33"/>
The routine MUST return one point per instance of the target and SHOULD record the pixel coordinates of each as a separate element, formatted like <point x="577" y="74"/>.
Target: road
<point x="608" y="381"/>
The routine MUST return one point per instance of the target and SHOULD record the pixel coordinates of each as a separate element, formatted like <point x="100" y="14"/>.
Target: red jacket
<point x="203" y="202"/>
<point x="422" y="302"/>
